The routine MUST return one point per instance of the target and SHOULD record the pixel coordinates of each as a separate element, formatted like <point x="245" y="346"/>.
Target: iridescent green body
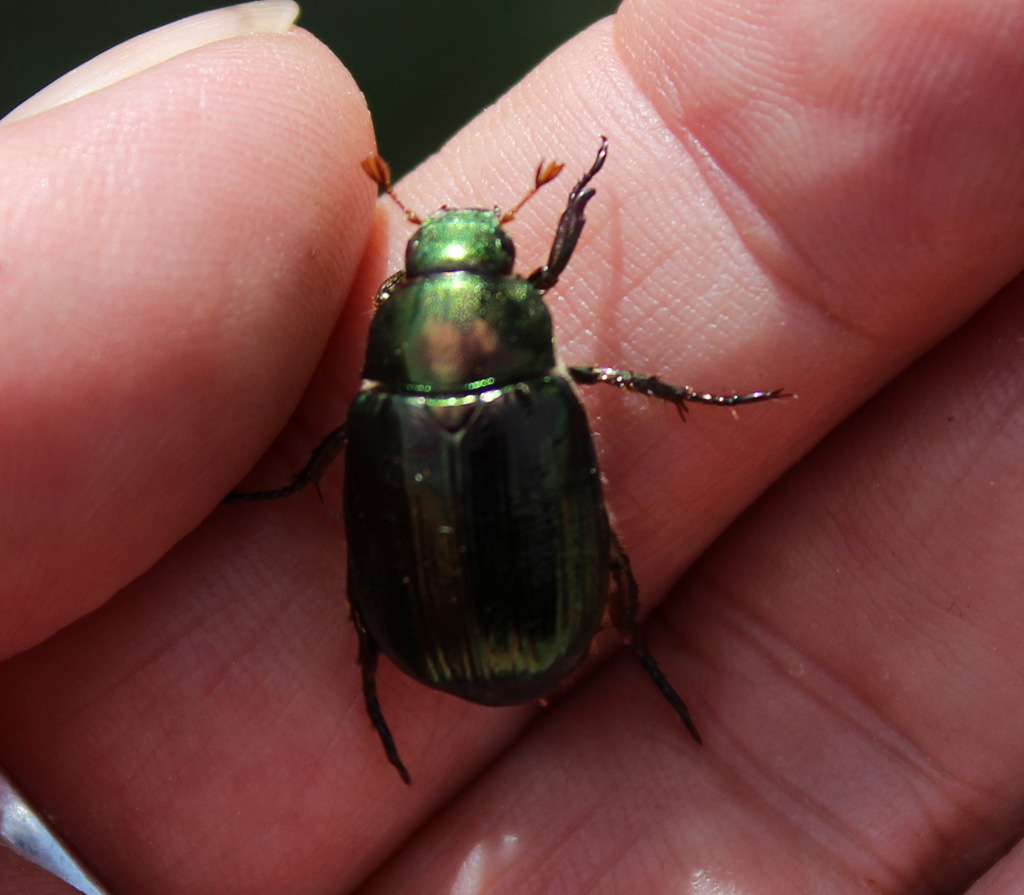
<point x="478" y="542"/>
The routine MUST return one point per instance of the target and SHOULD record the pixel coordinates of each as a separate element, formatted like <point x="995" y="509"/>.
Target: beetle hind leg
<point x="368" y="652"/>
<point x="624" y="604"/>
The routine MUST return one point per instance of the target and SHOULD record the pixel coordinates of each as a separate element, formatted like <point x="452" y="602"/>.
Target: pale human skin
<point x="810" y="197"/>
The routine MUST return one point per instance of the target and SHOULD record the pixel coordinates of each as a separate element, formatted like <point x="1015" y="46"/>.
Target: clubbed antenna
<point x="380" y="173"/>
<point x="546" y="172"/>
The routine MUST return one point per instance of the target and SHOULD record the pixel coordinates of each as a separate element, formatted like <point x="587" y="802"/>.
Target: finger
<point x="908" y="670"/>
<point x="176" y="248"/>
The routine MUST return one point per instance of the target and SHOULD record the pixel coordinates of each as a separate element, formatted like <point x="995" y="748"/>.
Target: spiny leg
<point x="653" y="386"/>
<point x="569" y="227"/>
<point x="368" y="651"/>
<point x="323" y="455"/>
<point x="625" y="602"/>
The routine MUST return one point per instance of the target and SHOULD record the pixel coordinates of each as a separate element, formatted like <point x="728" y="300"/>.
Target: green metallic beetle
<point x="480" y="555"/>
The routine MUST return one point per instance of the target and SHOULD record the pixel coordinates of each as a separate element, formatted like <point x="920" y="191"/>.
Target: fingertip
<point x="177" y="247"/>
<point x="158" y="45"/>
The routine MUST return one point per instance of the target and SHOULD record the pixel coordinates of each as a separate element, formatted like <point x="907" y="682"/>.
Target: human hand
<point x="811" y="199"/>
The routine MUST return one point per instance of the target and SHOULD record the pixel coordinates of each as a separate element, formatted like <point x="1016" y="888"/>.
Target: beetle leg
<point x="323" y="455"/>
<point x="387" y="287"/>
<point x="569" y="227"/>
<point x="674" y="394"/>
<point x="625" y="602"/>
<point x="368" y="652"/>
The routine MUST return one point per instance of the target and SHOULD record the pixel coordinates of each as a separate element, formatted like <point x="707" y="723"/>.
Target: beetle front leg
<point x="653" y="386"/>
<point x="570" y="225"/>
<point x="323" y="455"/>
<point x="368" y="652"/>
<point x="624" y="603"/>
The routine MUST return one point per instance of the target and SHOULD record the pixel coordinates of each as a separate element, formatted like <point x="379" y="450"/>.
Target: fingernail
<point x="159" y="45"/>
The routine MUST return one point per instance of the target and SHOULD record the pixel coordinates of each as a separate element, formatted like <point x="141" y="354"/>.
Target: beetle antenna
<point x="380" y="173"/>
<point x="546" y="172"/>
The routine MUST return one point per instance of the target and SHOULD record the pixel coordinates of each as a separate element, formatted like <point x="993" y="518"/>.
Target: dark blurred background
<point x="426" y="66"/>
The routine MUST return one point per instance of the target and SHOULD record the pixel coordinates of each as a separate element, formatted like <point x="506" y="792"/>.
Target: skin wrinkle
<point x="813" y="284"/>
<point x="852" y="520"/>
<point x="695" y="151"/>
<point x="591" y="869"/>
<point x="585" y="803"/>
<point x="167" y="645"/>
<point x="773" y="633"/>
<point x="912" y="755"/>
<point x="802" y="801"/>
<point x="594" y="862"/>
<point x="787" y="246"/>
<point x="781" y="275"/>
<point x="171" y="643"/>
